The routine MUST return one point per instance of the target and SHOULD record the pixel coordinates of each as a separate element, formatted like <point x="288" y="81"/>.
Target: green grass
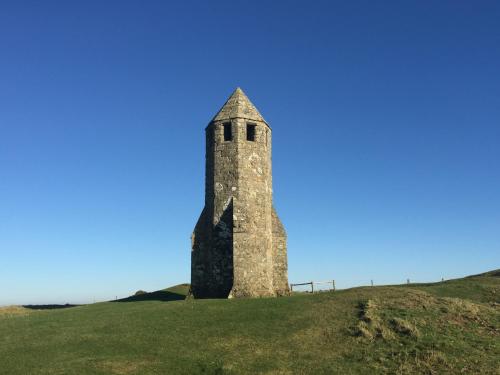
<point x="443" y="328"/>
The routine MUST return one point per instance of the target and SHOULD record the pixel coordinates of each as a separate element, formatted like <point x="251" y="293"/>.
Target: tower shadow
<point x="212" y="256"/>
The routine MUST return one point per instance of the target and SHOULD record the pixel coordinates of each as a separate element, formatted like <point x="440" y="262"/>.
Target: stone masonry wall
<point x="239" y="243"/>
<point x="252" y="246"/>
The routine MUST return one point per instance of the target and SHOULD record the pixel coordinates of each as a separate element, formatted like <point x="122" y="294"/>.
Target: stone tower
<point x="239" y="243"/>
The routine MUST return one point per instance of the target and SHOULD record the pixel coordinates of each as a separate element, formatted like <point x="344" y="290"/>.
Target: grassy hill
<point x="449" y="327"/>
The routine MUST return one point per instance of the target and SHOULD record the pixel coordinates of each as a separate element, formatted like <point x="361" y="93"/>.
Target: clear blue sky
<point x="386" y="131"/>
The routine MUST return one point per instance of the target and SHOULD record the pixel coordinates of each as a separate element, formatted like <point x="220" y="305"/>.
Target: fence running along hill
<point x="313" y="283"/>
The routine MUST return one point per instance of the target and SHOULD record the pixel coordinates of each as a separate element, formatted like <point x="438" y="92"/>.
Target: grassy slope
<point x="391" y="329"/>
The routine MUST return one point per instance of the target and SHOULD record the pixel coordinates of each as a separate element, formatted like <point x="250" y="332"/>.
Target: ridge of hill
<point x="173" y="293"/>
<point x="448" y="327"/>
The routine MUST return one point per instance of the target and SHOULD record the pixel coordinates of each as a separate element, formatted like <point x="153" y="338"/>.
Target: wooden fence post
<point x="312" y="287"/>
<point x="333" y="285"/>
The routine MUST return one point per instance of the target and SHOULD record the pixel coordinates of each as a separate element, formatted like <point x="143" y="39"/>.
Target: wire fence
<point x="313" y="286"/>
<point x="318" y="286"/>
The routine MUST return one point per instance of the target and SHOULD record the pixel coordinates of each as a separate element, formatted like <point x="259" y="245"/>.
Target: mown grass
<point x="443" y="328"/>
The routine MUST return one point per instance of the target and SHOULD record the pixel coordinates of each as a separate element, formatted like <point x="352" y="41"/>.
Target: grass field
<point x="452" y="327"/>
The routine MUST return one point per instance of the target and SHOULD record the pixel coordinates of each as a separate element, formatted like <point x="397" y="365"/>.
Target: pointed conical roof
<point x="238" y="106"/>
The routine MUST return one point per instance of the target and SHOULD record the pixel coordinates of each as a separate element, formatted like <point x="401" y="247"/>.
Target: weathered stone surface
<point x="238" y="106"/>
<point x="239" y="243"/>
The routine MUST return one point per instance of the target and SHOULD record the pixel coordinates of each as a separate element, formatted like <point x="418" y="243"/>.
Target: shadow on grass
<point x="160" y="295"/>
<point x="48" y="307"/>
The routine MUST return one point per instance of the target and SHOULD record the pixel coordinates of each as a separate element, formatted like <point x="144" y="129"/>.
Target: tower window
<point x="228" y="134"/>
<point x="251" y="132"/>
